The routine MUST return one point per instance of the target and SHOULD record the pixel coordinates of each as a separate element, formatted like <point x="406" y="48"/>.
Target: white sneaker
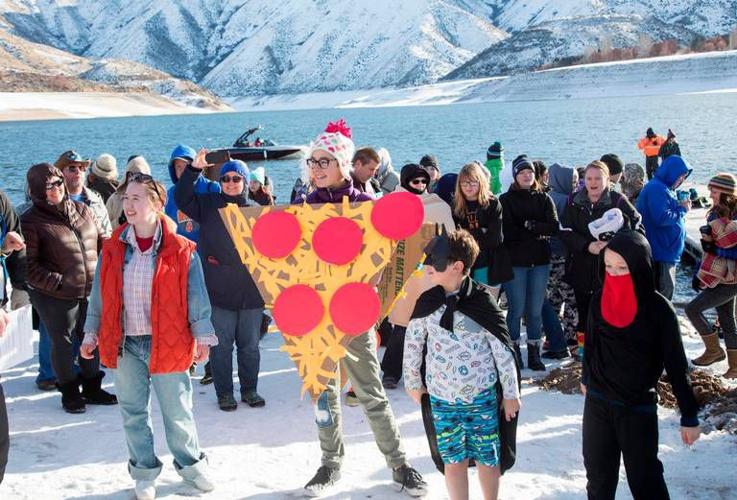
<point x="202" y="482"/>
<point x="145" y="490"/>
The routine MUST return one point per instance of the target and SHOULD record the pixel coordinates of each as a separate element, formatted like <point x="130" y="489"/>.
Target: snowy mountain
<point x="553" y="41"/>
<point x="261" y="47"/>
<point x="31" y="67"/>
<point x="248" y="47"/>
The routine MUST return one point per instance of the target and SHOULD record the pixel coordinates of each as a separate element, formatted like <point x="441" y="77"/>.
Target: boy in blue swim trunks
<point x="470" y="367"/>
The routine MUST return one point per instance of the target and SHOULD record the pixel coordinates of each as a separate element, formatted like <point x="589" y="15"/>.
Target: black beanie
<point x="614" y="163"/>
<point x="522" y="162"/>
<point x="430" y="161"/>
<point x="494" y="151"/>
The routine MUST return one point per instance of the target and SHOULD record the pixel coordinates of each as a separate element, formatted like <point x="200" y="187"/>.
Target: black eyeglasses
<point x="54" y="184"/>
<point x="323" y="163"/>
<point x="142" y="178"/>
<point x="231" y="178"/>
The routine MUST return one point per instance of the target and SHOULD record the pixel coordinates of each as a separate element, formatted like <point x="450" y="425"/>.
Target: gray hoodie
<point x="561" y="187"/>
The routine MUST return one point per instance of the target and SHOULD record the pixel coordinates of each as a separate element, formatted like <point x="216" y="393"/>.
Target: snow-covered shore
<point x="679" y="74"/>
<point x="270" y="453"/>
<point x="55" y="105"/>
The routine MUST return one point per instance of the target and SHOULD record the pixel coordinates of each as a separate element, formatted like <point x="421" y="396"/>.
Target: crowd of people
<point x="126" y="274"/>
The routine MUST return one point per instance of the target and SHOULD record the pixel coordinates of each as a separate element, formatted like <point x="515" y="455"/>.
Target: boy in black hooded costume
<point x="632" y="335"/>
<point x="472" y="375"/>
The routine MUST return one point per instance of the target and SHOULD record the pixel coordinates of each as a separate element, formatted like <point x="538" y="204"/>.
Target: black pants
<point x="4" y="435"/>
<point x="64" y="320"/>
<point x="391" y="363"/>
<point x="651" y="165"/>
<point x="583" y="299"/>
<point x="611" y="430"/>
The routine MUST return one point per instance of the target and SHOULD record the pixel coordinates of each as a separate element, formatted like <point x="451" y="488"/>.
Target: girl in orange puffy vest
<point x="149" y="315"/>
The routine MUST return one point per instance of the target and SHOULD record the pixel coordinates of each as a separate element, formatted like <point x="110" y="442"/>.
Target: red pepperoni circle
<point x="355" y="308"/>
<point x="398" y="215"/>
<point x="298" y="310"/>
<point x="337" y="240"/>
<point x="276" y="234"/>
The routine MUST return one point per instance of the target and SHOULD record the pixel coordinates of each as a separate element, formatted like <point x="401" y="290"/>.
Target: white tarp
<point x="16" y="346"/>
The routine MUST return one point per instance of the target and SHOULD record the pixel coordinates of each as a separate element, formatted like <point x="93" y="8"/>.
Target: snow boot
<point x="145" y="489"/>
<point x="71" y="399"/>
<point x="732" y="359"/>
<point x="93" y="393"/>
<point x="324" y="479"/>
<point x="533" y="358"/>
<point x="713" y="352"/>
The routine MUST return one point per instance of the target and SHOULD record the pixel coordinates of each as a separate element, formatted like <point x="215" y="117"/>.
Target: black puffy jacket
<point x="528" y="247"/>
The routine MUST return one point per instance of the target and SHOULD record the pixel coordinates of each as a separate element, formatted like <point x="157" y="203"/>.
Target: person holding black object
<point x="632" y="334"/>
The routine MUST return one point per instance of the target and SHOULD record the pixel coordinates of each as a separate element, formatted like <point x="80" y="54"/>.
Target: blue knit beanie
<point x="236" y="166"/>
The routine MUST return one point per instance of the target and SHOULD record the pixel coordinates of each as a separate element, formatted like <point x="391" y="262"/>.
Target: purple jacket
<point x="325" y="195"/>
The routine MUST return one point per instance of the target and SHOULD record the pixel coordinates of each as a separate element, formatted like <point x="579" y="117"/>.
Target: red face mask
<point x="618" y="300"/>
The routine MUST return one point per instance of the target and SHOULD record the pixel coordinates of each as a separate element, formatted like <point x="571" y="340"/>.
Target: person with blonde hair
<point x="149" y="315"/>
<point x="585" y="206"/>
<point x="477" y="210"/>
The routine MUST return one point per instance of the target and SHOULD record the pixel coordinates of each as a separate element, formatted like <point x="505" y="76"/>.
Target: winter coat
<point x="485" y="225"/>
<point x="370" y="187"/>
<point x="229" y="283"/>
<point x="62" y="242"/>
<point x="528" y="248"/>
<point x="104" y="187"/>
<point x="662" y="215"/>
<point x="623" y="365"/>
<point x="495" y="166"/>
<point x="561" y="188"/>
<point x="93" y="200"/>
<point x="186" y="226"/>
<point x="650" y="146"/>
<point x="180" y="311"/>
<point x="582" y="265"/>
<point x="16" y="261"/>
<point x="327" y="195"/>
<point x="388" y="179"/>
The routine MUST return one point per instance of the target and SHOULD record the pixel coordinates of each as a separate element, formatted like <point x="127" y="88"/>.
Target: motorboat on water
<point x="255" y="150"/>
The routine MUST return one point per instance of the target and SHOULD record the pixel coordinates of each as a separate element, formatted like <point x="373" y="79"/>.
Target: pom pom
<point x="339" y="127"/>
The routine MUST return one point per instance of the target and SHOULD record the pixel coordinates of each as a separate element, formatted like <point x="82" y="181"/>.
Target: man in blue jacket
<point x="663" y="217"/>
<point x="178" y="161"/>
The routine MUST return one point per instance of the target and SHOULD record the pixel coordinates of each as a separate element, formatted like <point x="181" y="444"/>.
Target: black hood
<point x="635" y="250"/>
<point x="412" y="171"/>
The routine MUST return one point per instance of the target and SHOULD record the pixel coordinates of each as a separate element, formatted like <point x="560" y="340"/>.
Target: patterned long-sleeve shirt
<point x="461" y="363"/>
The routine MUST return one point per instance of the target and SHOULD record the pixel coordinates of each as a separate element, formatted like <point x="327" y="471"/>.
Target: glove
<point x="696" y="284"/>
<point x="708" y="247"/>
<point x="530" y="225"/>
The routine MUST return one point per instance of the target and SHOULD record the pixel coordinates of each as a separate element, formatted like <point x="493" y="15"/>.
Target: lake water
<point x="569" y="132"/>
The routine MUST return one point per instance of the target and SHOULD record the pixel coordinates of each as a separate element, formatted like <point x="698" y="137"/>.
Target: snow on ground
<point x="270" y="453"/>
<point x="51" y="105"/>
<point x="689" y="73"/>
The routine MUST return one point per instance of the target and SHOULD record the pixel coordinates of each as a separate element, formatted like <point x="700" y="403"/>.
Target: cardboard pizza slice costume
<point x="317" y="267"/>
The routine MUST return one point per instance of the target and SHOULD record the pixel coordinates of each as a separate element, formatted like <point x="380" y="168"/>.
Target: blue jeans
<point x="243" y="328"/>
<point x="553" y="329"/>
<point x="133" y="383"/>
<point x="525" y="296"/>
<point x="45" y="370"/>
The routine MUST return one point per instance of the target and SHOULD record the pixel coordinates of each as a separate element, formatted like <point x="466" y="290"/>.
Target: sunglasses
<point x="142" y="178"/>
<point x="55" y="184"/>
<point x="231" y="178"/>
<point x="323" y="163"/>
<point x="418" y="181"/>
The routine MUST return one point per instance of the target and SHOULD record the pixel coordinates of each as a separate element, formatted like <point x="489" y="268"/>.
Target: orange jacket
<point x="651" y="145"/>
<point x="172" y="346"/>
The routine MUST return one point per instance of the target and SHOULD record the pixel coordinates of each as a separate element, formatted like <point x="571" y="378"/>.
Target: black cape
<point x="476" y="302"/>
